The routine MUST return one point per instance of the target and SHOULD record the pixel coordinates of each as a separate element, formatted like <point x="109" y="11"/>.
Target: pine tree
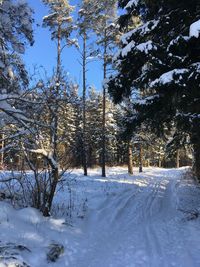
<point x="98" y="17"/>
<point x="106" y="30"/>
<point x="71" y="119"/>
<point x="93" y="127"/>
<point x="60" y="23"/>
<point x="85" y="22"/>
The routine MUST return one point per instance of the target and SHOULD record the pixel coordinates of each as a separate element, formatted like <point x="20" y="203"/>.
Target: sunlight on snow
<point x="33" y="236"/>
<point x="138" y="182"/>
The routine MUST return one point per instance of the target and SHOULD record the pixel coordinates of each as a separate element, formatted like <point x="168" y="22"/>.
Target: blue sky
<point x="43" y="52"/>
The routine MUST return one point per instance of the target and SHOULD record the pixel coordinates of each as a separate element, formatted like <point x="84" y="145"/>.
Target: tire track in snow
<point x="136" y="228"/>
<point x="153" y="246"/>
<point x="155" y="229"/>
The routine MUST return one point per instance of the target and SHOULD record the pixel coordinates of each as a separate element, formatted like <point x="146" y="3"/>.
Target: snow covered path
<point x="145" y="220"/>
<point x="139" y="226"/>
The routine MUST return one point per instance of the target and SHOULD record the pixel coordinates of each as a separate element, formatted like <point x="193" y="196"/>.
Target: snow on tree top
<point x="195" y="29"/>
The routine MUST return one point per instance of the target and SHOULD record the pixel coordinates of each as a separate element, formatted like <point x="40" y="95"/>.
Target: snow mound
<point x="26" y="237"/>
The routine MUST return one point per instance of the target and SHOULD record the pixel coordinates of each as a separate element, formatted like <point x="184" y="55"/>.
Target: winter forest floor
<point x="145" y="220"/>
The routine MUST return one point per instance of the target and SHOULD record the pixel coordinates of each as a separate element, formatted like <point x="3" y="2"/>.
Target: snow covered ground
<point x="149" y="219"/>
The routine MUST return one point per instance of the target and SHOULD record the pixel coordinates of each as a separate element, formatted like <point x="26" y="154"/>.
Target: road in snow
<point x="144" y="220"/>
<point x="140" y="225"/>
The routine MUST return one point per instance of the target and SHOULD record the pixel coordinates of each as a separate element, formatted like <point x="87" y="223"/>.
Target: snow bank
<point x="27" y="235"/>
<point x="148" y="219"/>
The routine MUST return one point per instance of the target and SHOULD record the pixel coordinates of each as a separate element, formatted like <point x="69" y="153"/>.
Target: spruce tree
<point x="160" y="59"/>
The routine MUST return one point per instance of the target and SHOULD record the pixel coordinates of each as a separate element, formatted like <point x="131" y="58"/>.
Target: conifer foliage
<point x="159" y="62"/>
<point x="15" y="33"/>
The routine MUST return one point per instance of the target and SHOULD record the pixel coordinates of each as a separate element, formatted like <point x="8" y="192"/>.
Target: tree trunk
<point x="177" y="158"/>
<point x="58" y="70"/>
<point x="148" y="163"/>
<point x="140" y="158"/>
<point x="159" y="158"/>
<point x="130" y="158"/>
<point x="55" y="179"/>
<point x="159" y="162"/>
<point x="84" y="107"/>
<point x="104" y="112"/>
<point x="54" y="132"/>
<point x="196" y="164"/>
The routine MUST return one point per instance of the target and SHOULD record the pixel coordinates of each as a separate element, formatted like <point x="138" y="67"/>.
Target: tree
<point x="107" y="34"/>
<point x="15" y="32"/>
<point x="94" y="129"/>
<point x="60" y="23"/>
<point x="85" y="23"/>
<point x="71" y="121"/>
<point x="130" y="158"/>
<point x="46" y="139"/>
<point x="160" y="60"/>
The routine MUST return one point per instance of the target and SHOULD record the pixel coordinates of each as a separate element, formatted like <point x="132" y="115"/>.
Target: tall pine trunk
<point x="84" y="107"/>
<point x="130" y="158"/>
<point x="159" y="162"/>
<point x="140" y="158"/>
<point x="58" y="70"/>
<point x="104" y="111"/>
<point x="159" y="158"/>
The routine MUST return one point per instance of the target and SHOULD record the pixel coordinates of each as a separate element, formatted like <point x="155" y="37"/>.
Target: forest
<point x="140" y="129"/>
